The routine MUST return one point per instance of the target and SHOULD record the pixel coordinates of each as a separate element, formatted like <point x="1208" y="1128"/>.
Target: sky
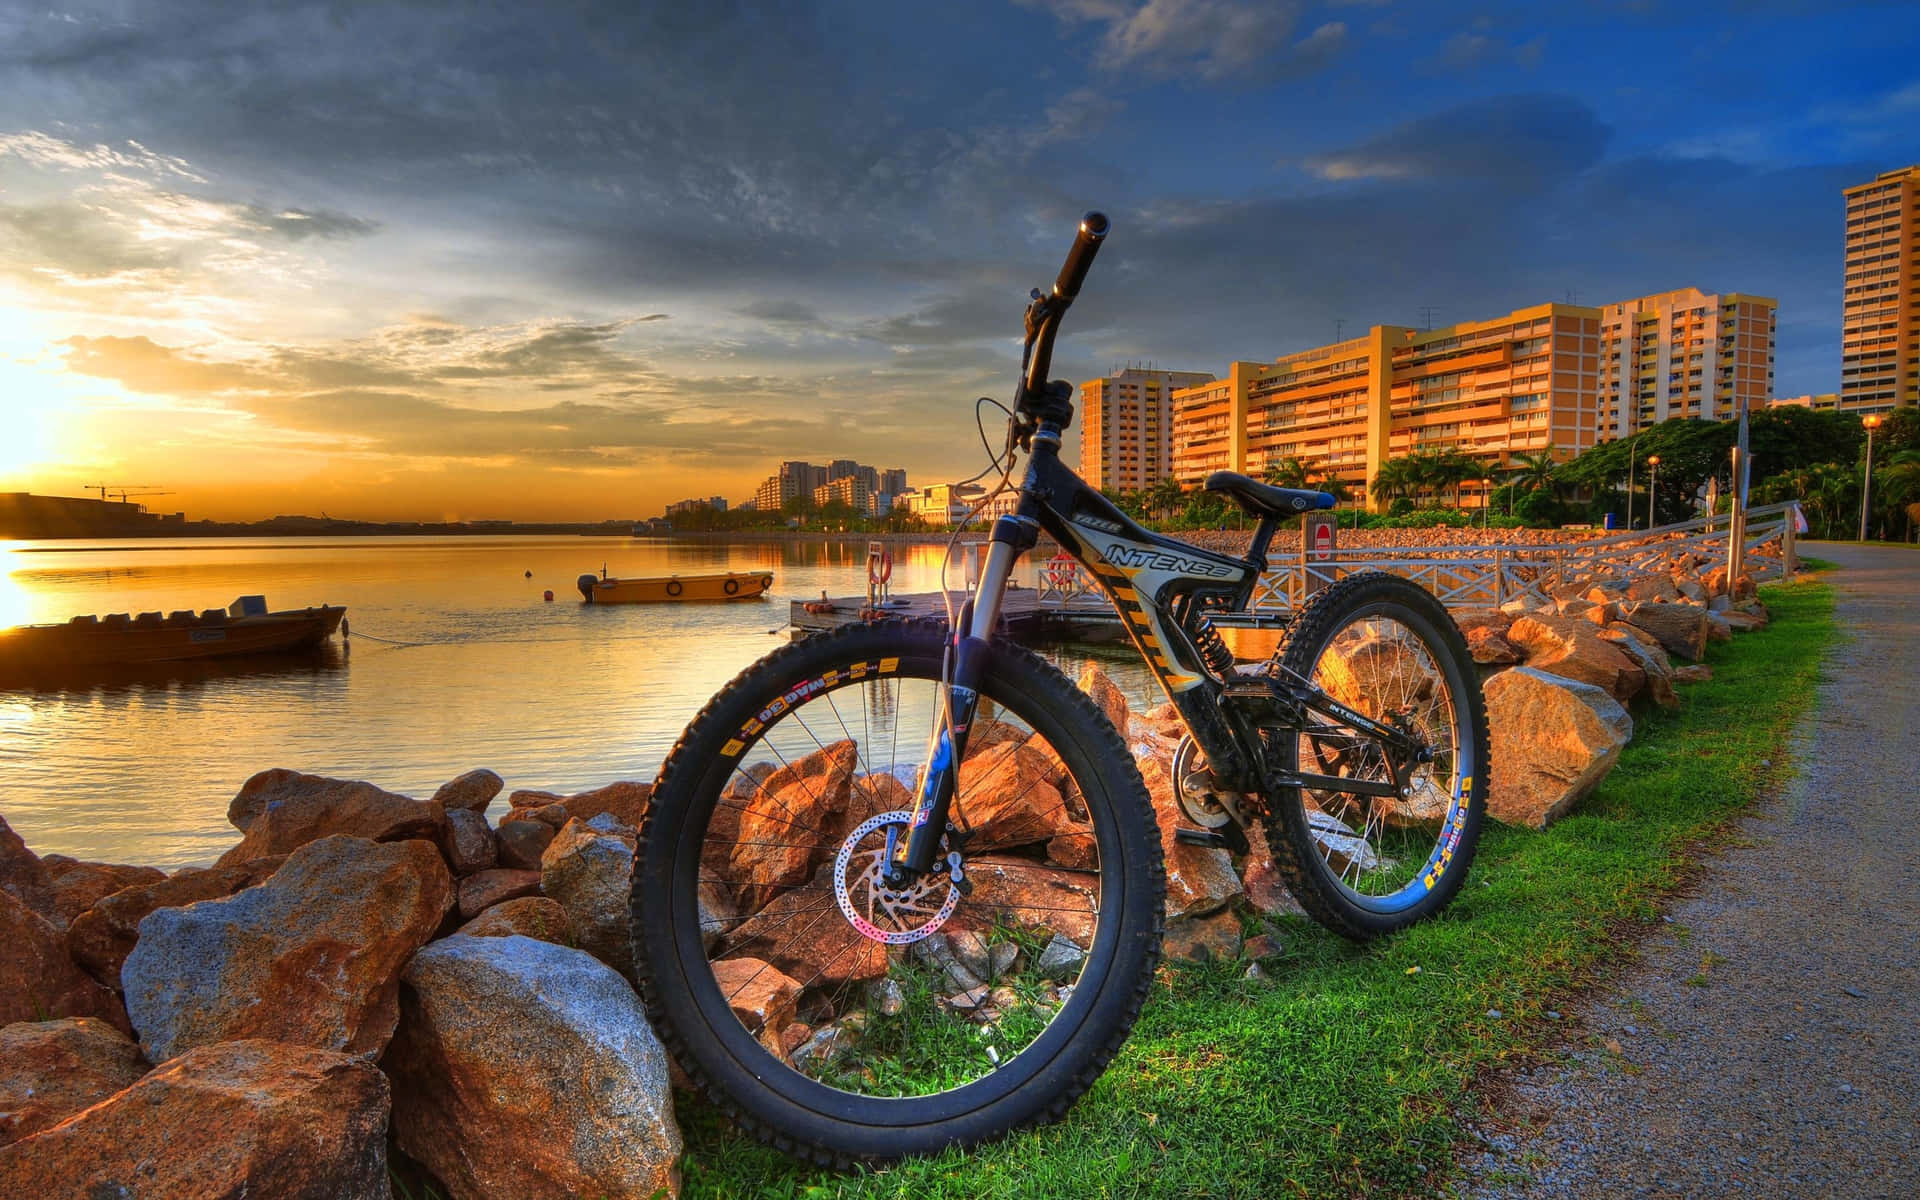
<point x="572" y="261"/>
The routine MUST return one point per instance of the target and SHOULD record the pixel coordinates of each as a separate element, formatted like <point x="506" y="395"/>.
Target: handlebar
<point x="1043" y="317"/>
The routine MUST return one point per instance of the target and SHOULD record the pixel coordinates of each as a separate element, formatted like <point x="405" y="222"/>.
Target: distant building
<point x="1880" y="307"/>
<point x="716" y="503"/>
<point x="1126" y="420"/>
<point x="850" y="490"/>
<point x="1683" y="354"/>
<point x="840" y="468"/>
<point x="893" y="481"/>
<point x="1824" y="402"/>
<point x="25" y="515"/>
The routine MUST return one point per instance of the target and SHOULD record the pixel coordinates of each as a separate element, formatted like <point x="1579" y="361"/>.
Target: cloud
<point x="1212" y="40"/>
<point x="1525" y="141"/>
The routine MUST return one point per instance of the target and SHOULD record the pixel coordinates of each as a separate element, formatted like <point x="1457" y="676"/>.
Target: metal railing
<point x="1493" y="574"/>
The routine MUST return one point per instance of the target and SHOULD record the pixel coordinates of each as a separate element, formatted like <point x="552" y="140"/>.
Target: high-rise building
<point x="1821" y="402"/>
<point x="840" y="468"/>
<point x="1683" y="354"/>
<point x="1880" y="309"/>
<point x="1125" y="420"/>
<point x="1527" y="381"/>
<point x="893" y="481"/>
<point x="850" y="490"/>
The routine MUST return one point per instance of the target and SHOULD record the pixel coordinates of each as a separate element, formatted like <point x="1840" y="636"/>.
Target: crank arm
<point x="1334" y="783"/>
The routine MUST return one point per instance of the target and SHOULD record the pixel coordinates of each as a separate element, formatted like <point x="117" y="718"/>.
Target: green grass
<point x="1349" y="1072"/>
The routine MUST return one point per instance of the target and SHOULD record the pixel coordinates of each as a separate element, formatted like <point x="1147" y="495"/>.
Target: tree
<point x="1286" y="473"/>
<point x="1534" y="472"/>
<point x="1393" y="480"/>
<point x="1165" y="497"/>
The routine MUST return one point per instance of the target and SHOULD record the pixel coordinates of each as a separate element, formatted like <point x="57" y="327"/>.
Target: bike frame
<point x="1164" y="590"/>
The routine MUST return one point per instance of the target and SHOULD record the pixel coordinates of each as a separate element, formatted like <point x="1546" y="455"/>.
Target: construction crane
<point x="122" y="491"/>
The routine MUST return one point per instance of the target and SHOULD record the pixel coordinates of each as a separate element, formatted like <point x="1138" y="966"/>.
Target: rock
<point x="101" y="938"/>
<point x="529" y="916"/>
<point x="37" y="979"/>
<point x="828" y="1042"/>
<point x="471" y="792"/>
<point x="522" y="843"/>
<point x="1720" y="626"/>
<point x="24" y="877"/>
<point x="774" y="850"/>
<point x="987" y="733"/>
<point x="1264" y="945"/>
<point x="1061" y="960"/>
<point x="1680" y="628"/>
<point x="1470" y="619"/>
<point x="1653" y="586"/>
<point x="1583" y="609"/>
<point x="524" y="1069"/>
<point x="278" y="811"/>
<point x="78" y="886"/>
<point x="1553" y="740"/>
<point x="761" y="996"/>
<point x="481" y="891"/>
<point x="1196" y="939"/>
<point x="1340" y="844"/>
<point x="1720" y="604"/>
<point x="888" y="998"/>
<point x="470" y="844"/>
<point x="1266" y="892"/>
<point x="1575" y="650"/>
<point x="589" y="873"/>
<point x="50" y="1070"/>
<point x="554" y="815"/>
<point x="255" y="1119"/>
<point x="627" y="801"/>
<point x="1489" y="649"/>
<point x="1376" y="670"/>
<point x="311" y="957"/>
<point x="1006" y="798"/>
<point x="1691" y="590"/>
<point x="1018" y="892"/>
<point x="1651" y="659"/>
<point x="1074" y="851"/>
<point x="1695" y="673"/>
<point x="1200" y="879"/>
<point x="785" y="934"/>
<point x="1111" y="701"/>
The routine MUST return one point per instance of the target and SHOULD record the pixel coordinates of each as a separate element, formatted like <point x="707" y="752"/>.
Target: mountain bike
<point x="901" y="885"/>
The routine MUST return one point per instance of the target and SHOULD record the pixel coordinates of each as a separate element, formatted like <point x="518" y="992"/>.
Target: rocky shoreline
<point x="363" y="971"/>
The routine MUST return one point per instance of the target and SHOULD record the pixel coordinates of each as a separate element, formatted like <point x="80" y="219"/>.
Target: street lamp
<point x="1633" y="450"/>
<point x="1866" y="489"/>
<point x="1653" y="485"/>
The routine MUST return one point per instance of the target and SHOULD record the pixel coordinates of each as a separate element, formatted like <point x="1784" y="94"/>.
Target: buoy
<point x="529" y="574"/>
<point x="549" y="594"/>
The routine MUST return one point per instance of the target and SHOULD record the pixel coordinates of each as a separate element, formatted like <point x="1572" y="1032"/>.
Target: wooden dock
<point x="1022" y="613"/>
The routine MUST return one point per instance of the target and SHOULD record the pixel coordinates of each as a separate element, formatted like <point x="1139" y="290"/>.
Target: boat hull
<point x="676" y="588"/>
<point x="42" y="648"/>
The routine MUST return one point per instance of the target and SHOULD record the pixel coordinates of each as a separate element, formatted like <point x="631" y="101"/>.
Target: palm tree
<point x="1165" y="496"/>
<point x="1393" y="479"/>
<point x="1533" y="472"/>
<point x="1286" y="473"/>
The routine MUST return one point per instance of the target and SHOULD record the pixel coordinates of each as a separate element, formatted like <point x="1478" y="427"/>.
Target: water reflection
<point x="456" y="661"/>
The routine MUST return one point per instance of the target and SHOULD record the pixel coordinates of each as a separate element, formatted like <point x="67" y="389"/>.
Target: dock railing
<point x="1492" y="574"/>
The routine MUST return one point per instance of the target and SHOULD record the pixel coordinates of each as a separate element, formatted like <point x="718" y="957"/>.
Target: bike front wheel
<point x="843" y="1017"/>
<point x="1360" y="863"/>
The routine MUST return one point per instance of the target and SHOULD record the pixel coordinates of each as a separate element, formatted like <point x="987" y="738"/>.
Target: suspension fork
<point x="1012" y="537"/>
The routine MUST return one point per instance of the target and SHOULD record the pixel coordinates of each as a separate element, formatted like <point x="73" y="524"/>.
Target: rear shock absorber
<point x="1212" y="647"/>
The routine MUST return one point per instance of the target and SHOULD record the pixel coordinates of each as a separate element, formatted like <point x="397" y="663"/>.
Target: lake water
<point x="455" y="662"/>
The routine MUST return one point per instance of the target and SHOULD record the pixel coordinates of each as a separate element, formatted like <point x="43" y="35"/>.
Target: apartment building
<point x="1526" y="381"/>
<point x="1684" y="353"/>
<point x="1820" y="402"/>
<point x="1880" y="308"/>
<point x="850" y="490"/>
<point x="1125" y="422"/>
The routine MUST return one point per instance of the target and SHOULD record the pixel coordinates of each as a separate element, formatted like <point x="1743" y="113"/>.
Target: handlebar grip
<point x="1073" y="273"/>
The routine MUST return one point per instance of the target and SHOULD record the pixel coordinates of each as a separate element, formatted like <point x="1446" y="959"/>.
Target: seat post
<point x="1262" y="538"/>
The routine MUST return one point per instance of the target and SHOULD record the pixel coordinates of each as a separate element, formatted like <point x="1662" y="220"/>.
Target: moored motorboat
<point x="123" y="639"/>
<point x="725" y="585"/>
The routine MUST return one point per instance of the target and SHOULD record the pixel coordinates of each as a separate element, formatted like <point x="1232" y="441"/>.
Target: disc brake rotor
<point x="890" y="916"/>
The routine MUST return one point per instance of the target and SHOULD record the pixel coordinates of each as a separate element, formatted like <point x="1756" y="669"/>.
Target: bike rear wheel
<point x="1365" y="865"/>
<point x="843" y="1019"/>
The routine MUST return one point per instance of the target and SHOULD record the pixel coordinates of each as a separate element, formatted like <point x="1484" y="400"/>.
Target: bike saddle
<point x="1264" y="500"/>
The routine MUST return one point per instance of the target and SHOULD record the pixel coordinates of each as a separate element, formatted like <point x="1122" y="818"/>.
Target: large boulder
<point x="800" y="933"/>
<point x="255" y="1119"/>
<point x="624" y="800"/>
<point x="778" y="846"/>
<point x="589" y="872"/>
<point x="50" y="1070"/>
<point x="1006" y="797"/>
<point x="101" y="938"/>
<point x="470" y="844"/>
<point x="1554" y="739"/>
<point x="1489" y="649"/>
<point x="471" y="792"/>
<point x="482" y="890"/>
<point x="24" y="876"/>
<point x="1573" y="649"/>
<point x="37" y="978"/>
<point x="525" y="1069"/>
<point x="278" y="811"/>
<point x="311" y="957"/>
<point x="521" y="842"/>
<point x="78" y="886"/>
<point x="1680" y="628"/>
<point x="1651" y="658"/>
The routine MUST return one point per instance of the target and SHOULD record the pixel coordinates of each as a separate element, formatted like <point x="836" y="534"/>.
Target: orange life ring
<point x="674" y="588"/>
<point x="886" y="568"/>
<point x="731" y="587"/>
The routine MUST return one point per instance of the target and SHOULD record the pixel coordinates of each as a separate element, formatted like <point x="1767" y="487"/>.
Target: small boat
<point x="727" y="585"/>
<point x="121" y="639"/>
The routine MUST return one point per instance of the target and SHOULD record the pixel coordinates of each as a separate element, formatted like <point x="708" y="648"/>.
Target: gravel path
<point x="1767" y="1042"/>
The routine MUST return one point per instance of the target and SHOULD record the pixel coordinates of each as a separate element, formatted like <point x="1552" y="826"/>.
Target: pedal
<point x="1202" y="837"/>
